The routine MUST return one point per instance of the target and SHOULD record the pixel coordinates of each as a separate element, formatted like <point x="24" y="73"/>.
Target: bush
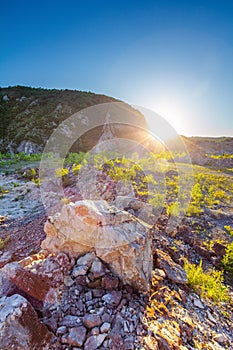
<point x="207" y="284"/>
<point x="229" y="230"/>
<point x="227" y="260"/>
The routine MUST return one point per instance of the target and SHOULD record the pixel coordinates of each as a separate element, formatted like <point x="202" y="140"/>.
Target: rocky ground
<point x="82" y="304"/>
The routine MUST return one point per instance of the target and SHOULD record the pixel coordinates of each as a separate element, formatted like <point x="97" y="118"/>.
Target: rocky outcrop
<point x="117" y="237"/>
<point x="29" y="147"/>
<point x="20" y="328"/>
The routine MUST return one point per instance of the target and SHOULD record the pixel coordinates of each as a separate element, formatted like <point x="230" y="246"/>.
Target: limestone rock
<point x="117" y="237"/>
<point x="20" y="327"/>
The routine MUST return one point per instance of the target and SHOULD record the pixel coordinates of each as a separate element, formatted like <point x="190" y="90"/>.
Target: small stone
<point x="105" y="327"/>
<point x="70" y="321"/>
<point x="91" y="321"/>
<point x="126" y="329"/>
<point x="5" y="258"/>
<point x="210" y="317"/>
<point x="98" y="268"/>
<point x="88" y="296"/>
<point x="113" y="298"/>
<point x="98" y="293"/>
<point x="77" y="336"/>
<point x="95" y="284"/>
<point x="94" y="341"/>
<point x="68" y="281"/>
<point x="173" y="271"/>
<point x="80" y="270"/>
<point x="61" y="330"/>
<point x="95" y="331"/>
<point x="106" y="318"/>
<point x="198" y="303"/>
<point x="86" y="260"/>
<point x="158" y="274"/>
<point x="100" y="311"/>
<point x="82" y="280"/>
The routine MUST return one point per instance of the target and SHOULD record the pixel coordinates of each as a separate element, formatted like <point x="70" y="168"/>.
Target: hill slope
<point x="29" y="116"/>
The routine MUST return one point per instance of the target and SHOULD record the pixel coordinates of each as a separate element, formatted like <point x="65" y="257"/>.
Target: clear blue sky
<point x="175" y="57"/>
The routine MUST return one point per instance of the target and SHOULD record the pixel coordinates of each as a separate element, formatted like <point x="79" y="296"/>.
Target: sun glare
<point x="171" y="107"/>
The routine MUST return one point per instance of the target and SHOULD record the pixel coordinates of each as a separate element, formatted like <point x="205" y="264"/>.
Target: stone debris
<point x="103" y="313"/>
<point x="91" y="297"/>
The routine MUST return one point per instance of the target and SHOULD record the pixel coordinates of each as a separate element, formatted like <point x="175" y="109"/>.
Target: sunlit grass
<point x="207" y="284"/>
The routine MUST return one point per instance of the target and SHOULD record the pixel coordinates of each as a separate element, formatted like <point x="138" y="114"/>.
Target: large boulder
<point x="117" y="237"/>
<point x="20" y="328"/>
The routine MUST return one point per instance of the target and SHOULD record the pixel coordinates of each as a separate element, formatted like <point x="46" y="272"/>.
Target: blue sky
<point x="175" y="57"/>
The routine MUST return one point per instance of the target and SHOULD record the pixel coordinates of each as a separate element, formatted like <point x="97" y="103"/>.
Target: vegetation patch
<point x="207" y="284"/>
<point x="227" y="260"/>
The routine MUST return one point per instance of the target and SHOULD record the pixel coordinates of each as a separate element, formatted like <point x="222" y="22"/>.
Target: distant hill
<point x="210" y="151"/>
<point x="28" y="116"/>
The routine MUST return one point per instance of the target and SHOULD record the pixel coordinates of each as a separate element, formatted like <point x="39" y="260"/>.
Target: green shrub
<point x="227" y="260"/>
<point x="229" y="230"/>
<point x="174" y="209"/>
<point x="207" y="284"/>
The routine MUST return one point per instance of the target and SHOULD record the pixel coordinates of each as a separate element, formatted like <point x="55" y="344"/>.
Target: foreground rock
<point x="20" y="327"/>
<point x="37" y="278"/>
<point x="117" y="237"/>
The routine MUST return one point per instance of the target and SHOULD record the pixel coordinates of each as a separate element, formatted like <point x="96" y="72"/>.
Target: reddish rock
<point x="32" y="286"/>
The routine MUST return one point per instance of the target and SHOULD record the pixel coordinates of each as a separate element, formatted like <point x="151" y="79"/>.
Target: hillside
<point x="29" y="116"/>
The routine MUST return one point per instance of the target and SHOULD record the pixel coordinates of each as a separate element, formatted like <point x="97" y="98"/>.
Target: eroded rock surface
<point x="117" y="237"/>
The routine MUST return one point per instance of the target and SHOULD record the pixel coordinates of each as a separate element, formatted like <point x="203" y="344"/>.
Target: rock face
<point x="117" y="237"/>
<point x="20" y="327"/>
